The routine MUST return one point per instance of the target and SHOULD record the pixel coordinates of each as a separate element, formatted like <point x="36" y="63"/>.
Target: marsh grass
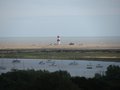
<point x="63" y="54"/>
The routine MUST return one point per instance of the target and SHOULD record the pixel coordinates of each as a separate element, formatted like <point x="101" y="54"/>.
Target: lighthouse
<point x="58" y="40"/>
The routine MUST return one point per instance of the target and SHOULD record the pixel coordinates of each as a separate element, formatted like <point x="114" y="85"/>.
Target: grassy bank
<point x="107" y="54"/>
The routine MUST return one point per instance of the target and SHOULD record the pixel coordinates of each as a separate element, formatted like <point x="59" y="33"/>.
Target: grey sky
<point x="59" y="17"/>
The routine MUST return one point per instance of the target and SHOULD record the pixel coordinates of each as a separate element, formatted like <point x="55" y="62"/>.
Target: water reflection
<point x="74" y="67"/>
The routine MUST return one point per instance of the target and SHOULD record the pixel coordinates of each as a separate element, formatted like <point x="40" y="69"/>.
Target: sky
<point x="43" y="18"/>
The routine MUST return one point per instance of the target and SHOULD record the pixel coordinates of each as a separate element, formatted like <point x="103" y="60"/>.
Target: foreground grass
<point x="62" y="54"/>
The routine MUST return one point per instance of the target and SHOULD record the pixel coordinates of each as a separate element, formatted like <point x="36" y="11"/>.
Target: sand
<point x="62" y="46"/>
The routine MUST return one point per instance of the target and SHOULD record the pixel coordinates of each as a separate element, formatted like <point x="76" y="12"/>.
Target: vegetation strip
<point x="59" y="80"/>
<point x="90" y="54"/>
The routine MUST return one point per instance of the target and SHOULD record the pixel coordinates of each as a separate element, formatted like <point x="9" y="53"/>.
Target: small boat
<point x="89" y="66"/>
<point x="99" y="66"/>
<point x="73" y="63"/>
<point x="50" y="61"/>
<point x="53" y="64"/>
<point x="16" y="61"/>
<point x="41" y="63"/>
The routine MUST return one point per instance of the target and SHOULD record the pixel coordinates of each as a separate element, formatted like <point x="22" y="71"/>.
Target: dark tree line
<point x="59" y="80"/>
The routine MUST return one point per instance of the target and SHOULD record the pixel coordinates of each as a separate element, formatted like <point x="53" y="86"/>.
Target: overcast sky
<point x="36" y="18"/>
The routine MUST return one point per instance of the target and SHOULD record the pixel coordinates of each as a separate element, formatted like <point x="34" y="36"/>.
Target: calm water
<point x="64" y="40"/>
<point x="74" y="67"/>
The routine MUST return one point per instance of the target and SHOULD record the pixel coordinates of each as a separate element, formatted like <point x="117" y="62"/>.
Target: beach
<point x="62" y="46"/>
<point x="51" y="42"/>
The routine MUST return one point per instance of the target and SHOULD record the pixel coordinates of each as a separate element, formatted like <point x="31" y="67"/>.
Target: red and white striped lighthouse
<point x="58" y="40"/>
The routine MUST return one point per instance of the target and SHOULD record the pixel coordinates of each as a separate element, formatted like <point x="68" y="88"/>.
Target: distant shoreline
<point x="51" y="42"/>
<point x="62" y="46"/>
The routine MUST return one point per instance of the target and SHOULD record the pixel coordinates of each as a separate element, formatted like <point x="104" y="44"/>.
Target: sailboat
<point x="49" y="61"/>
<point x="41" y="63"/>
<point x="53" y="64"/>
<point x="16" y="61"/>
<point x="89" y="66"/>
<point x="99" y="66"/>
<point x="73" y="63"/>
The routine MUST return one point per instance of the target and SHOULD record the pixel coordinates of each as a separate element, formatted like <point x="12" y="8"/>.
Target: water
<point x="74" y="67"/>
<point x="64" y="40"/>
